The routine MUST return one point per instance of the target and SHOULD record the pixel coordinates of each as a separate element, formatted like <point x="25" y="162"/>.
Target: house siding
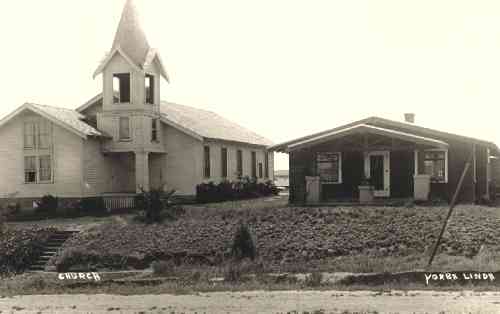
<point x="67" y="162"/>
<point x="97" y="169"/>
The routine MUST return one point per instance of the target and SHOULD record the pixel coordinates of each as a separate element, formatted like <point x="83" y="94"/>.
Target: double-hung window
<point x="206" y="157"/>
<point x="38" y="166"/>
<point x="436" y="164"/>
<point x="45" y="168"/>
<point x="30" y="169"/>
<point x="223" y="154"/>
<point x="154" y="130"/>
<point x="254" y="165"/>
<point x="329" y="167"/>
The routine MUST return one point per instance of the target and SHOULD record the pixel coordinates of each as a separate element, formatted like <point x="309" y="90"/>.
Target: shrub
<point x="233" y="272"/>
<point x="243" y="245"/>
<point x="163" y="268"/>
<point x="154" y="203"/>
<point x="243" y="188"/>
<point x="47" y="205"/>
<point x="314" y="279"/>
<point x="91" y="206"/>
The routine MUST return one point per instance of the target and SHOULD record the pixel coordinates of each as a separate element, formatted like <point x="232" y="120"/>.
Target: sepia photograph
<point x="232" y="156"/>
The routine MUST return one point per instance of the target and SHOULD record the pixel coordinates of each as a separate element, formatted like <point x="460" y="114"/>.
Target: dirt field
<point x="263" y="302"/>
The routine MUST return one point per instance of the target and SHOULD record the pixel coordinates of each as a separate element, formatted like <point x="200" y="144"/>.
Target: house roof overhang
<point x="360" y="129"/>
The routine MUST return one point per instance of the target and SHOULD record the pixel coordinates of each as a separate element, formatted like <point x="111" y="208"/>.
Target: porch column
<point x="141" y="171"/>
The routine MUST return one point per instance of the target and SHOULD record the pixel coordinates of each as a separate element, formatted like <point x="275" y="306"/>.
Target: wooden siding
<point x="97" y="169"/>
<point x="67" y="162"/>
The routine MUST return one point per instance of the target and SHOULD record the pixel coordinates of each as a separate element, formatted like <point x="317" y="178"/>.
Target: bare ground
<point x="263" y="302"/>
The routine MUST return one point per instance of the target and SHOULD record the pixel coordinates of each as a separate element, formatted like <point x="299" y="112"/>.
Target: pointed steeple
<point x="130" y="37"/>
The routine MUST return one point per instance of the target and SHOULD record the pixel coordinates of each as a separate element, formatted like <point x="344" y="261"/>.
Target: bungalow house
<point x="391" y="159"/>
<point x="124" y="138"/>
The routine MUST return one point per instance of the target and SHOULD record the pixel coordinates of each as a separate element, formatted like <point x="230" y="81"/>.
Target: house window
<point x="239" y="163"/>
<point x="206" y="171"/>
<point x="149" y="87"/>
<point x="45" y="169"/>
<point x="329" y="167"/>
<point x="30" y="169"/>
<point x="223" y="153"/>
<point x="254" y="165"/>
<point x="266" y="165"/>
<point x="435" y="165"/>
<point x="29" y="135"/>
<point x="260" y="170"/>
<point x="124" y="128"/>
<point x="121" y="87"/>
<point x="154" y="130"/>
<point x="44" y="134"/>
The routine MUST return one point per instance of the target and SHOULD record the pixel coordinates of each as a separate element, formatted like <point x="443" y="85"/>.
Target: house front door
<point x="377" y="169"/>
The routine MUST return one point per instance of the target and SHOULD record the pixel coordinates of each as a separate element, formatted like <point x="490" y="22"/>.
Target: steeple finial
<point x="130" y="36"/>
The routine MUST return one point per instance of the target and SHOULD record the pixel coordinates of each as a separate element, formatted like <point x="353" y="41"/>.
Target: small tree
<point x="243" y="245"/>
<point x="154" y="202"/>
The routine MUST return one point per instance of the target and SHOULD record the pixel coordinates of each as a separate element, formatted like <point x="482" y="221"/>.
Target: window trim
<point x="445" y="162"/>
<point x="151" y="87"/>
<point x="224" y="162"/>
<point x="253" y="160"/>
<point x="339" y="181"/>
<point x="117" y="75"/>
<point x="206" y="162"/>
<point x="40" y="169"/>
<point x="239" y="163"/>
<point x="154" y="130"/>
<point x="123" y="139"/>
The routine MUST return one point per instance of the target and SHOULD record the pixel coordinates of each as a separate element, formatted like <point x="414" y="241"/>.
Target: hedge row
<point x="244" y="188"/>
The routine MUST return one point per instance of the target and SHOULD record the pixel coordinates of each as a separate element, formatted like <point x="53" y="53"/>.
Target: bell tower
<point x="131" y="74"/>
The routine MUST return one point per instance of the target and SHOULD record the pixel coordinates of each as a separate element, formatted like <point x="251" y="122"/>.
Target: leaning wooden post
<point x="452" y="205"/>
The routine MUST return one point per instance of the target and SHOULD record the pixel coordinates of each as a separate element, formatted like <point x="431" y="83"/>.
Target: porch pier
<point x="141" y="171"/>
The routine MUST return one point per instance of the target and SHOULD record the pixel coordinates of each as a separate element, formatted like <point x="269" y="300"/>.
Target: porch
<point x="392" y="166"/>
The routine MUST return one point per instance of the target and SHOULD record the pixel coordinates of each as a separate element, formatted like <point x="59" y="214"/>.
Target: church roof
<point x="65" y="118"/>
<point x="209" y="125"/>
<point x="131" y="42"/>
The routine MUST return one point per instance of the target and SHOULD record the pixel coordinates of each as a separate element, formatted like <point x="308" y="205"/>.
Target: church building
<point x="126" y="137"/>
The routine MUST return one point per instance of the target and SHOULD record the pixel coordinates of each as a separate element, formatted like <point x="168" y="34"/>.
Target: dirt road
<point x="262" y="302"/>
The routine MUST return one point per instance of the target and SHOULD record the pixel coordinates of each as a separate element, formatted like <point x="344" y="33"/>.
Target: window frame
<point x="339" y="167"/>
<point x="206" y="162"/>
<point x="239" y="163"/>
<point x="445" y="151"/>
<point x="149" y="95"/>
<point x="154" y="130"/>
<point x="120" y="134"/>
<point x="32" y="135"/>
<point x="224" y="162"/>
<point x="120" y="77"/>
<point x="30" y="170"/>
<point x="39" y="164"/>
<point x="254" y="164"/>
<point x="266" y="165"/>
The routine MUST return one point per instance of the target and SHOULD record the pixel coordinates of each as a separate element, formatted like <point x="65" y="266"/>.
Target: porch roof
<point x="366" y="128"/>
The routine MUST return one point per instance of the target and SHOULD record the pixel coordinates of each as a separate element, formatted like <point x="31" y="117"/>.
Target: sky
<point x="282" y="68"/>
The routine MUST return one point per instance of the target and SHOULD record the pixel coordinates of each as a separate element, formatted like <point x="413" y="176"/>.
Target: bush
<point x="47" y="205"/>
<point x="163" y="268"/>
<point x="243" y="245"/>
<point x="154" y="203"/>
<point x="91" y="206"/>
<point x="243" y="188"/>
<point x="314" y="279"/>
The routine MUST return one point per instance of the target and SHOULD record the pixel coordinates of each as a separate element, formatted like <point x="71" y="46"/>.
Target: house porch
<point x="331" y="170"/>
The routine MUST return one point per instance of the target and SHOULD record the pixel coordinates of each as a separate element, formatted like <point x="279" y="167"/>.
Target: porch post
<point x="141" y="171"/>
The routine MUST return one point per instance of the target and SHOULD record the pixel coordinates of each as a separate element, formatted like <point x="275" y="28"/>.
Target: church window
<point x="149" y="86"/>
<point x="121" y="87"/>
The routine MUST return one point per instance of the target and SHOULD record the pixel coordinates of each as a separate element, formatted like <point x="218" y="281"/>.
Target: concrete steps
<point x="50" y="249"/>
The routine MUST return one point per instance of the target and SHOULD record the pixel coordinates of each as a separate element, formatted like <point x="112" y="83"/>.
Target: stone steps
<point x="50" y="249"/>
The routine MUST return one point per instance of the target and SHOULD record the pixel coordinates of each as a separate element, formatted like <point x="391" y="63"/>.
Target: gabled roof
<point x="208" y="125"/>
<point x="131" y="43"/>
<point x="365" y="128"/>
<point x="198" y="123"/>
<point x="65" y="118"/>
<point x="388" y="124"/>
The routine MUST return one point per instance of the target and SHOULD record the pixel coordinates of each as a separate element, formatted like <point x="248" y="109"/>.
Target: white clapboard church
<point x="124" y="138"/>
